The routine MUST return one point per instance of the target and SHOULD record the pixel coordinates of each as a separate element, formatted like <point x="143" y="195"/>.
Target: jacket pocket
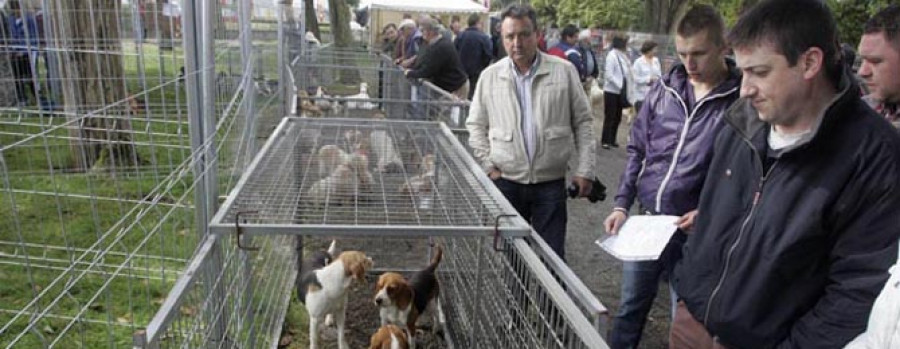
<point x="559" y="143"/>
<point x="502" y="148"/>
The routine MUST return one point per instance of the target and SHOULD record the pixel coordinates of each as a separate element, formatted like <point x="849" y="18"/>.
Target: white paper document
<point x="641" y="238"/>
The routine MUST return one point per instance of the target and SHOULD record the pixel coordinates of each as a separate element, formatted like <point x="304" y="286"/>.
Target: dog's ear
<point x="379" y="284"/>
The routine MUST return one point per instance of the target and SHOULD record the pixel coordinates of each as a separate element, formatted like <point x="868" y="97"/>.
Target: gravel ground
<point x="601" y="272"/>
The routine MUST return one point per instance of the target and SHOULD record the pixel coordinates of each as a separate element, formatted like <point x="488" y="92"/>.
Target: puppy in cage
<point x="329" y="157"/>
<point x="346" y="177"/>
<point x="304" y="107"/>
<point x="422" y="182"/>
<point x="324" y="104"/>
<point x="361" y="99"/>
<point x="390" y="337"/>
<point x="387" y="158"/>
<point x="326" y="293"/>
<point x="401" y="302"/>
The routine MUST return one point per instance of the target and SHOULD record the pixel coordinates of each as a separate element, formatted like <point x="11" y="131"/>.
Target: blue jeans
<point x="640" y="281"/>
<point x="543" y="205"/>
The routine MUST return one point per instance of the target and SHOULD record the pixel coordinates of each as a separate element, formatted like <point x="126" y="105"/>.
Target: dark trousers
<point x="640" y="282"/>
<point x="543" y="205"/>
<point x="22" y="71"/>
<point x="612" y="110"/>
<point x="473" y="81"/>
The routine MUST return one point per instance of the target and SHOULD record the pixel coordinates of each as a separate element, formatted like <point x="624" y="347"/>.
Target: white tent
<point x="425" y="6"/>
<point x="382" y="12"/>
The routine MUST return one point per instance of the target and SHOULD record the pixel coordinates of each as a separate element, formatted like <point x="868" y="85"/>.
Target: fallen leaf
<point x="285" y="340"/>
<point x="188" y="311"/>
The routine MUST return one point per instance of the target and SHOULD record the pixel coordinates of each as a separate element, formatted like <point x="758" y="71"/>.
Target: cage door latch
<point x="497" y="230"/>
<point x="238" y="232"/>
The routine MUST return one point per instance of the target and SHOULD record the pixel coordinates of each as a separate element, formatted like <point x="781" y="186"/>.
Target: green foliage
<point x="629" y="14"/>
<point x="851" y="16"/>
<point x="608" y="14"/>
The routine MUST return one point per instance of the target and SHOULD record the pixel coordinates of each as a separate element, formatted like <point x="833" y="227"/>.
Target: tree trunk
<point x="660" y="15"/>
<point x="343" y="38"/>
<point x="312" y="22"/>
<point x="93" y="74"/>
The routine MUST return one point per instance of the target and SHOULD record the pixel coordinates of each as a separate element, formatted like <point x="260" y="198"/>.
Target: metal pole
<point x="199" y="62"/>
<point x="283" y="11"/>
<point x="249" y="135"/>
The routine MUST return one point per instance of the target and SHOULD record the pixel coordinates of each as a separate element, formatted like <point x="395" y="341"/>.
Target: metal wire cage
<point x="325" y="176"/>
<point x="332" y="82"/>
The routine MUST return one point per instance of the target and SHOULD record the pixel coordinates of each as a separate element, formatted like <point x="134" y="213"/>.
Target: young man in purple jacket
<point x="668" y="155"/>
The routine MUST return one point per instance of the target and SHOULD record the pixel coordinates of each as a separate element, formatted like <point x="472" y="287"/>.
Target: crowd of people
<point x="784" y="174"/>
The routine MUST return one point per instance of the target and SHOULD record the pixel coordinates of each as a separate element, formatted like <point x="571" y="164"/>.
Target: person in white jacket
<point x="884" y="321"/>
<point x="646" y="72"/>
<point x="617" y="80"/>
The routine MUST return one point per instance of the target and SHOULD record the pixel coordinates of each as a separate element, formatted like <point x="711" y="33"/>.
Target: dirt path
<point x="601" y="272"/>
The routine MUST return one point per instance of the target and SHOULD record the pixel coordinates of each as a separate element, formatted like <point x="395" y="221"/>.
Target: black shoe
<point x="615" y="145"/>
<point x="605" y="146"/>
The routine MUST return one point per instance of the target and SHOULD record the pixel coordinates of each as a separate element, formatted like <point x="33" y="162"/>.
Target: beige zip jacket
<point x="562" y="121"/>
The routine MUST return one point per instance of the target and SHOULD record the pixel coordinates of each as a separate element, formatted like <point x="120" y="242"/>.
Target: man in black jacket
<point x="798" y="218"/>
<point x="439" y="62"/>
<point x="474" y="48"/>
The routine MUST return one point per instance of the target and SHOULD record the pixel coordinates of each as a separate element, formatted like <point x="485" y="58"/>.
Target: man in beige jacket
<point x="529" y="115"/>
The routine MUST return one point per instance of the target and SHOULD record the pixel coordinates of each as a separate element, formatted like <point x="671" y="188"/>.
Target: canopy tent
<point x="382" y="12"/>
<point x="425" y="6"/>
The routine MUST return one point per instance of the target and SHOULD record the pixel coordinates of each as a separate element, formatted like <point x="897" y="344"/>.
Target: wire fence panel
<point x="243" y="307"/>
<point x="97" y="180"/>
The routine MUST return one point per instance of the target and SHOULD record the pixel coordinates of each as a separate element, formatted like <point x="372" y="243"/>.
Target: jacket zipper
<point x="756" y="197"/>
<point x="681" y="140"/>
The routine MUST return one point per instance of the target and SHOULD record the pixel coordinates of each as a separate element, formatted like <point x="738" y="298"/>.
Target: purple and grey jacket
<point x="672" y="141"/>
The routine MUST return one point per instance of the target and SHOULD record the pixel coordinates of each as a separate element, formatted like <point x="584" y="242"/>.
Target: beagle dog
<point x="389" y="337"/>
<point x="326" y="293"/>
<point x="401" y="302"/>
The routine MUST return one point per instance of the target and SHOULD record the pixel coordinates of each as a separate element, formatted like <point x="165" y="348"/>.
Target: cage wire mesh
<point x="348" y="82"/>
<point x="397" y="177"/>
<point x="508" y="299"/>
<point x="98" y="173"/>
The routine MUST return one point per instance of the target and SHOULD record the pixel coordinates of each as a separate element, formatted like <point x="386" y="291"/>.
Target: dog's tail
<point x="436" y="259"/>
<point x="332" y="249"/>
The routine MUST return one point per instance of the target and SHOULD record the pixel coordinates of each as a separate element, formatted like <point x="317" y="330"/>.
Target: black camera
<point x="598" y="191"/>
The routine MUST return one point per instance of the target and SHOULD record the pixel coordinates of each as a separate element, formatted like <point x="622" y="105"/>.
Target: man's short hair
<point x="428" y="25"/>
<point x="886" y="21"/>
<point x="792" y="27"/>
<point x="473" y="19"/>
<point x="569" y="31"/>
<point x="648" y="46"/>
<point x="407" y="23"/>
<point x="520" y="11"/>
<point x="702" y="18"/>
<point x="619" y="42"/>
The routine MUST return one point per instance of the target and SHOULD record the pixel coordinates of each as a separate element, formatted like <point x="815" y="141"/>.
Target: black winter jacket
<point x="439" y="63"/>
<point x="796" y="256"/>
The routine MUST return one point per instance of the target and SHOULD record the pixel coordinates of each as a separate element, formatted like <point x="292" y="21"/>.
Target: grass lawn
<point x="101" y="246"/>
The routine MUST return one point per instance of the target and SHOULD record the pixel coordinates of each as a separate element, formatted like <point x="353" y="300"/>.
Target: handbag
<point x="623" y="95"/>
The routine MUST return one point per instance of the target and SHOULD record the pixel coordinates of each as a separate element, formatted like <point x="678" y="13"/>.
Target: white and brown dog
<point x="389" y="337"/>
<point x="326" y="293"/>
<point x="387" y="157"/>
<point x="421" y="183"/>
<point x="401" y="302"/>
<point x="346" y="177"/>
